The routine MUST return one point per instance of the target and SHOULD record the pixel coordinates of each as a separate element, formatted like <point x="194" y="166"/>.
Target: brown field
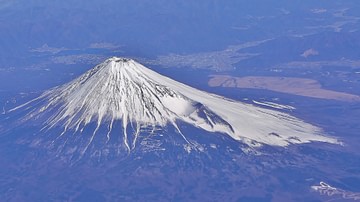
<point x="295" y="86"/>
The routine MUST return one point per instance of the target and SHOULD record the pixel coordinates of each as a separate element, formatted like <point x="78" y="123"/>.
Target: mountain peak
<point x="119" y="62"/>
<point x="120" y="59"/>
<point x="121" y="90"/>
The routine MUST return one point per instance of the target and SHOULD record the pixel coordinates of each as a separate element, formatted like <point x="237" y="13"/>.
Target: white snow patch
<point x="325" y="189"/>
<point x="213" y="146"/>
<point x="177" y="105"/>
<point x="274" y="105"/>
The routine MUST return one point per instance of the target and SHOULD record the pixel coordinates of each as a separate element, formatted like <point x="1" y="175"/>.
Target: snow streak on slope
<point x="123" y="90"/>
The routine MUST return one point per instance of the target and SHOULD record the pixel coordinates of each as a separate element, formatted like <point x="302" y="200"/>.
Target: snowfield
<point x="122" y="89"/>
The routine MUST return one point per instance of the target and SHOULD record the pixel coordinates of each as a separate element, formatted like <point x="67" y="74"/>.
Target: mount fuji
<point x="112" y="105"/>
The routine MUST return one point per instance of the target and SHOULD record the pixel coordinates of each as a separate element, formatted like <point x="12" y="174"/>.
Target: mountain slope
<point x="122" y="91"/>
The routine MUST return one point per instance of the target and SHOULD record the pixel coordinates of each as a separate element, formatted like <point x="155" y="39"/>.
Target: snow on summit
<point x="122" y="91"/>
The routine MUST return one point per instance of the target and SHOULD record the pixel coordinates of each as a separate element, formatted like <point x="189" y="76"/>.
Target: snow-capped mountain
<point x="121" y="93"/>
